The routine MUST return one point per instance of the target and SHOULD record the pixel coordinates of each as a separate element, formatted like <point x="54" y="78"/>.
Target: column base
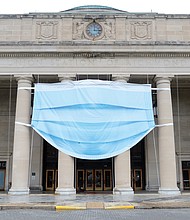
<point x="152" y="188"/>
<point x="15" y="191"/>
<point x="168" y="191"/>
<point x="65" y="191"/>
<point x="123" y="191"/>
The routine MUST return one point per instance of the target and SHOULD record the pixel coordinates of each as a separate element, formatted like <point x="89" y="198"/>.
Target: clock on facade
<point x="94" y="30"/>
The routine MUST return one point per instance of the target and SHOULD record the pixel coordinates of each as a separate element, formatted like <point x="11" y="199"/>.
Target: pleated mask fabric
<point x="92" y="119"/>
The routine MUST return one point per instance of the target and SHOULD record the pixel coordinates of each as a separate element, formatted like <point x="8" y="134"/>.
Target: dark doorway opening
<point x="50" y="167"/>
<point x="2" y="175"/>
<point x="186" y="174"/>
<point x="94" y="175"/>
<point x="138" y="179"/>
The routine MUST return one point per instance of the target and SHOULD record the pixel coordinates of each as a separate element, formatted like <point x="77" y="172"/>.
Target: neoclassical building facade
<point x="95" y="42"/>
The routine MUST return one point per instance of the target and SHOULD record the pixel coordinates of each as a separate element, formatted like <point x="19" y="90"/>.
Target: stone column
<point x="65" y="164"/>
<point x="65" y="174"/>
<point x="123" y="174"/>
<point x="166" y="144"/>
<point x="21" y="147"/>
<point x="122" y="162"/>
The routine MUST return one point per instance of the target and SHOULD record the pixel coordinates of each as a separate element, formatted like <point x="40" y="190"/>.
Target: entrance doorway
<point x="2" y="179"/>
<point x="136" y="176"/>
<point x="138" y="166"/>
<point x="186" y="174"/>
<point x="2" y="175"/>
<point x="94" y="176"/>
<point x="51" y="180"/>
<point x="50" y="167"/>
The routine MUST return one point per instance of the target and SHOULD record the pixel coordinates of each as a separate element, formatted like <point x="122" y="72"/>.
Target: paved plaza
<point x="94" y="201"/>
<point x="135" y="214"/>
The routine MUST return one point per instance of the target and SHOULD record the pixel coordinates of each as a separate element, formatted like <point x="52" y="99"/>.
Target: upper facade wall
<point x="116" y="28"/>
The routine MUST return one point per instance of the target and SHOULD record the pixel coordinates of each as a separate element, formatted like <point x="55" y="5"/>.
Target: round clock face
<point x="94" y="30"/>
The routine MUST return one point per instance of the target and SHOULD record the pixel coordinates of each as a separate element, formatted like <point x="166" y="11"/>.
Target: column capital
<point x="24" y="78"/>
<point x="163" y="78"/>
<point x="66" y="77"/>
<point x="120" y="77"/>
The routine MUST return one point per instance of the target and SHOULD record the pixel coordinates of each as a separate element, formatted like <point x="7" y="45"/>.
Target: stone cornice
<point x="95" y="54"/>
<point x="94" y="43"/>
<point x="82" y="14"/>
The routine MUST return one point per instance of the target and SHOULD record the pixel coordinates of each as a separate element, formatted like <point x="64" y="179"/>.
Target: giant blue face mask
<point x="92" y="119"/>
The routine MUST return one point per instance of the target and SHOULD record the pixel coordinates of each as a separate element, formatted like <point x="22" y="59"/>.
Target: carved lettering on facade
<point x="141" y="30"/>
<point x="108" y="29"/>
<point x="46" y="30"/>
<point x="55" y="62"/>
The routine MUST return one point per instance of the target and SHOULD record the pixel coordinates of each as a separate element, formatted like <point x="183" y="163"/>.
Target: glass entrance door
<point x="98" y="180"/>
<point x="94" y="175"/>
<point x="137" y="179"/>
<point x="51" y="180"/>
<point x="186" y="178"/>
<point x="89" y="180"/>
<point x="80" y="180"/>
<point x="94" y="180"/>
<point x="107" y="179"/>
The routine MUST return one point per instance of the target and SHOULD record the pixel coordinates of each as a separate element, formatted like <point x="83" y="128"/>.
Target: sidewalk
<point x="93" y="201"/>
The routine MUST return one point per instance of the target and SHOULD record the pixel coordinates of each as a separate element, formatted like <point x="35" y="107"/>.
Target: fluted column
<point x="167" y="158"/>
<point x="21" y="147"/>
<point x="65" y="164"/>
<point x="122" y="162"/>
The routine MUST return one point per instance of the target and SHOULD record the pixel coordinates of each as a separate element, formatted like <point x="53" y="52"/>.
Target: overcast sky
<point x="160" y="6"/>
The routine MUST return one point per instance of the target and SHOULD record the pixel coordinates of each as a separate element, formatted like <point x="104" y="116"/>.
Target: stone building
<point x="95" y="42"/>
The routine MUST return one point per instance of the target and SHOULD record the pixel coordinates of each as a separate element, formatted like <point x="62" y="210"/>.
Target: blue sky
<point x="160" y="6"/>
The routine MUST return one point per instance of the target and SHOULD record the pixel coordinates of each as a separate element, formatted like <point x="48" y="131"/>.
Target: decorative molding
<point x="95" y="54"/>
<point x="46" y="30"/>
<point x="108" y="30"/>
<point x="151" y="43"/>
<point x="141" y="30"/>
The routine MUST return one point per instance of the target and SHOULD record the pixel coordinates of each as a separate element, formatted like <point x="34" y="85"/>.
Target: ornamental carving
<point x="109" y="30"/>
<point x="46" y="30"/>
<point x="141" y="30"/>
<point x="79" y="30"/>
